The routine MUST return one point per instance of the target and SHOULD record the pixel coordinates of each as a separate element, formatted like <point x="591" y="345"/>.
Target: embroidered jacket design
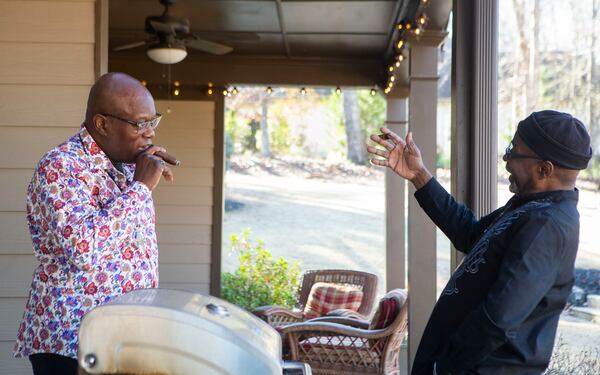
<point x="476" y="256"/>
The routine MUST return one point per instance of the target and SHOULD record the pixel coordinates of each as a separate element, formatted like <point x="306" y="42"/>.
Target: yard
<point x="332" y="216"/>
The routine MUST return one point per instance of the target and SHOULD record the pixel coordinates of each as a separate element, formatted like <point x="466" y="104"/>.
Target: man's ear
<point x="100" y="124"/>
<point x="546" y="169"/>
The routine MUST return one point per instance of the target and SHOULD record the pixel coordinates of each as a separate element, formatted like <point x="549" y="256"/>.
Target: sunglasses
<point x="510" y="154"/>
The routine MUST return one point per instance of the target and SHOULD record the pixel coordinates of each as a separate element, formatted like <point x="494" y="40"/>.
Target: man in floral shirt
<point x="91" y="219"/>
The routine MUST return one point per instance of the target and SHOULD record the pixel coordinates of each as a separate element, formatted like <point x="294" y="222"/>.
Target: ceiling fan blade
<point x="161" y="27"/>
<point x="130" y="46"/>
<point x="226" y="36"/>
<point x="207" y="46"/>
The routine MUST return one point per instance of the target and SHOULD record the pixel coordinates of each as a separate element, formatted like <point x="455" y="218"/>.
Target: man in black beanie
<point x="499" y="312"/>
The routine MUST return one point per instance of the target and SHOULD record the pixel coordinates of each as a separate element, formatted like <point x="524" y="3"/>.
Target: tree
<point x="355" y="139"/>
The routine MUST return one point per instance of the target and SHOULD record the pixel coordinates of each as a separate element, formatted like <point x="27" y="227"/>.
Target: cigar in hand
<point x="171" y="159"/>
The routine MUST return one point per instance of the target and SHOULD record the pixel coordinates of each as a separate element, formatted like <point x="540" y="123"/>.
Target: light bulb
<point x="210" y="84"/>
<point x="391" y="68"/>
<point x="144" y="83"/>
<point x="303" y="91"/>
<point x="392" y="78"/>
<point x="373" y="92"/>
<point x="225" y="92"/>
<point x="176" y="83"/>
<point x="338" y="90"/>
<point x="176" y="92"/>
<point x="269" y="90"/>
<point x="400" y="44"/>
<point x="209" y="91"/>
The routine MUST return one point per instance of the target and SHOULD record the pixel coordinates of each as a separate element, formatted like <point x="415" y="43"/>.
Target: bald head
<point x="115" y="93"/>
<point x="117" y="103"/>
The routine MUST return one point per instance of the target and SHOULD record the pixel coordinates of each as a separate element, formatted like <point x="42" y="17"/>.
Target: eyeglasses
<point x="509" y="154"/>
<point x="140" y="126"/>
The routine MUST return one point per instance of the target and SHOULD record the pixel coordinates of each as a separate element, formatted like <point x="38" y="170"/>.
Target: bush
<point x="577" y="361"/>
<point x="260" y="280"/>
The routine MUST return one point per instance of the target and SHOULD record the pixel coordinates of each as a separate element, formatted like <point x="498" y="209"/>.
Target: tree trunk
<point x="533" y="71"/>
<point x="594" y="87"/>
<point x="356" y="143"/>
<point x="264" y="127"/>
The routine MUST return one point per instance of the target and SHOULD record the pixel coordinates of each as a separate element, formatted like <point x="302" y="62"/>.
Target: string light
<point x="209" y="91"/>
<point x="176" y="92"/>
<point x="269" y="90"/>
<point x="234" y="91"/>
<point x="225" y="92"/>
<point x="373" y="92"/>
<point x="176" y="83"/>
<point x="338" y="90"/>
<point x="210" y="84"/>
<point x="144" y="83"/>
<point x="415" y="26"/>
<point x="303" y="91"/>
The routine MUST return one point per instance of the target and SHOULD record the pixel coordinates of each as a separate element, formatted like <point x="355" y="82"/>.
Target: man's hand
<point x="401" y="156"/>
<point x="149" y="168"/>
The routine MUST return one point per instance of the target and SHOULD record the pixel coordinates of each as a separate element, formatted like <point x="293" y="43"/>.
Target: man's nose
<point x="149" y="133"/>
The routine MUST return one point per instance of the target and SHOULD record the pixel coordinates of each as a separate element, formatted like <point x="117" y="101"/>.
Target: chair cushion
<point x="388" y="308"/>
<point x="325" y="297"/>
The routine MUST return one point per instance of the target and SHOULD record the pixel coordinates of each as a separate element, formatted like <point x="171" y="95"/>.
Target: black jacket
<point x="499" y="312"/>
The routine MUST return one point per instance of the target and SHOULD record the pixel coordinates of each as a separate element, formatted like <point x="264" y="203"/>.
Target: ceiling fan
<point x="169" y="37"/>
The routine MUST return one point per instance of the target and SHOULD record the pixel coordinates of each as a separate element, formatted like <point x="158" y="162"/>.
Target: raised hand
<point x="149" y="167"/>
<point x="401" y="156"/>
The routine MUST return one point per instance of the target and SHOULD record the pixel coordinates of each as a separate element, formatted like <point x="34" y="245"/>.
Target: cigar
<point x="171" y="159"/>
<point x="384" y="136"/>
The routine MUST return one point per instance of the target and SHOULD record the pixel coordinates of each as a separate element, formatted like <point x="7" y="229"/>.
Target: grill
<point x="171" y="332"/>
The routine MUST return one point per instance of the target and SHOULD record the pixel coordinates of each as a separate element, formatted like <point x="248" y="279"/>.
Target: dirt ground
<point x="332" y="216"/>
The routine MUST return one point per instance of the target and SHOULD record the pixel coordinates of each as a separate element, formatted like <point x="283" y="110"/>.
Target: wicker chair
<point x="278" y="316"/>
<point x="344" y="346"/>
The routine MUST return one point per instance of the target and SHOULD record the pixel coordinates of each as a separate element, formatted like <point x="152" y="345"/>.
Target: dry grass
<point x="564" y="361"/>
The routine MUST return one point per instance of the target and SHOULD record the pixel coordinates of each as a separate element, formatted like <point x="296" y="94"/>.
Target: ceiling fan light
<point x="166" y="55"/>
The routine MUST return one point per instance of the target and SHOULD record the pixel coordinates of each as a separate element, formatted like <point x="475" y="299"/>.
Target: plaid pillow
<point x="389" y="307"/>
<point x="325" y="297"/>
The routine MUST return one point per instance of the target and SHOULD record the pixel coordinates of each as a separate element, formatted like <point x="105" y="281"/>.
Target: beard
<point x="513" y="188"/>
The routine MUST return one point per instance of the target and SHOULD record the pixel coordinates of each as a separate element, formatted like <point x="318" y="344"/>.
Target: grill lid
<point x="176" y="332"/>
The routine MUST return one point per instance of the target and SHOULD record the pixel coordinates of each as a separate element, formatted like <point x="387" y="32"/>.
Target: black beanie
<point x="557" y="137"/>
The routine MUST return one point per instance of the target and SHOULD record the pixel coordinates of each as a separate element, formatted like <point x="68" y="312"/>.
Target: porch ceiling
<point x="312" y="42"/>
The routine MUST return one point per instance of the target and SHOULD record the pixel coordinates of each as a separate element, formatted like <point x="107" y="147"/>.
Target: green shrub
<point x="260" y="280"/>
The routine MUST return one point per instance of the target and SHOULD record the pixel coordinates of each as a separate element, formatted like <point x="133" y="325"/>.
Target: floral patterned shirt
<point x="93" y="234"/>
